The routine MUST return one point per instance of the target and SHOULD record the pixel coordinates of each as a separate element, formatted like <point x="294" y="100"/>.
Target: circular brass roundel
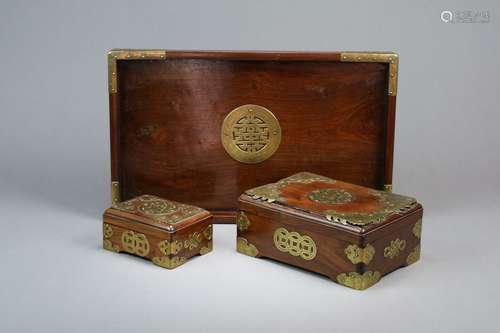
<point x="251" y="133"/>
<point x="330" y="196"/>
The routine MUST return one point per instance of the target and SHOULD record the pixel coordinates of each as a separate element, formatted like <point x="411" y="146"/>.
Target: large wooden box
<point x="166" y="232"/>
<point x="352" y="234"/>
<point x="331" y="113"/>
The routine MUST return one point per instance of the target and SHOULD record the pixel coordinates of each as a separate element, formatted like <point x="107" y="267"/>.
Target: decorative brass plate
<point x="207" y="249"/>
<point x="395" y="248"/>
<point x="166" y="247"/>
<point x="242" y="221"/>
<point x="414" y="256"/>
<point x="169" y="262"/>
<point x="330" y="196"/>
<point x="359" y="281"/>
<point x="417" y="229"/>
<point x="295" y="244"/>
<point x="135" y="243"/>
<point x="251" y="134"/>
<point x="193" y="241"/>
<point x="243" y="246"/>
<point x="358" y="254"/>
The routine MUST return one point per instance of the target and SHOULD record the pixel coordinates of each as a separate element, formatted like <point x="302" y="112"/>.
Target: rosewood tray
<point x="202" y="127"/>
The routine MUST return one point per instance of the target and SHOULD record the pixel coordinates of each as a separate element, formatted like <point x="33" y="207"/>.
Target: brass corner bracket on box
<point x="115" y="193"/>
<point x="390" y="58"/>
<point x="125" y="54"/>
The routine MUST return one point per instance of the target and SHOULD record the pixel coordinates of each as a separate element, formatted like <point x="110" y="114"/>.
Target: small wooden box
<point x="352" y="234"/>
<point x="166" y="232"/>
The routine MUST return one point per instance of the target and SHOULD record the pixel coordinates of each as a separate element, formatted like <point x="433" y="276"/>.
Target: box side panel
<point x="356" y="260"/>
<point x="396" y="245"/>
<point x="195" y="239"/>
<point x="296" y="242"/>
<point x="168" y="250"/>
<point x="133" y="238"/>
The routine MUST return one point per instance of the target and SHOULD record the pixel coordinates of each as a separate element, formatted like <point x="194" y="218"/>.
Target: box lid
<point x="201" y="127"/>
<point x="333" y="202"/>
<point x="155" y="211"/>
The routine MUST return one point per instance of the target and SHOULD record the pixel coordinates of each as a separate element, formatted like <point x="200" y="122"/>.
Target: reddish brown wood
<point x="301" y="215"/>
<point x="333" y="117"/>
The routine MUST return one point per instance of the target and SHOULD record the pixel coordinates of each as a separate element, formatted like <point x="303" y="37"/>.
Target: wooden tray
<point x="336" y="112"/>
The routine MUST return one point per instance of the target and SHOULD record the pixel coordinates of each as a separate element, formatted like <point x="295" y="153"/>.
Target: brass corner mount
<point x="115" y="193"/>
<point x="128" y="54"/>
<point x="390" y="58"/>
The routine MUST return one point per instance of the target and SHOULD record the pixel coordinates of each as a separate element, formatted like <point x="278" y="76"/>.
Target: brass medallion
<point x="330" y="196"/>
<point x="157" y="207"/>
<point x="250" y="134"/>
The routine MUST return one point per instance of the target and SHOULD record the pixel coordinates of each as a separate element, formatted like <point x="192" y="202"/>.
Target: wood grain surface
<point x="336" y="118"/>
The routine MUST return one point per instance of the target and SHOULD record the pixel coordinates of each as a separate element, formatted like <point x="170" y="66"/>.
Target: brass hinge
<point x="126" y="54"/>
<point x="390" y="58"/>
